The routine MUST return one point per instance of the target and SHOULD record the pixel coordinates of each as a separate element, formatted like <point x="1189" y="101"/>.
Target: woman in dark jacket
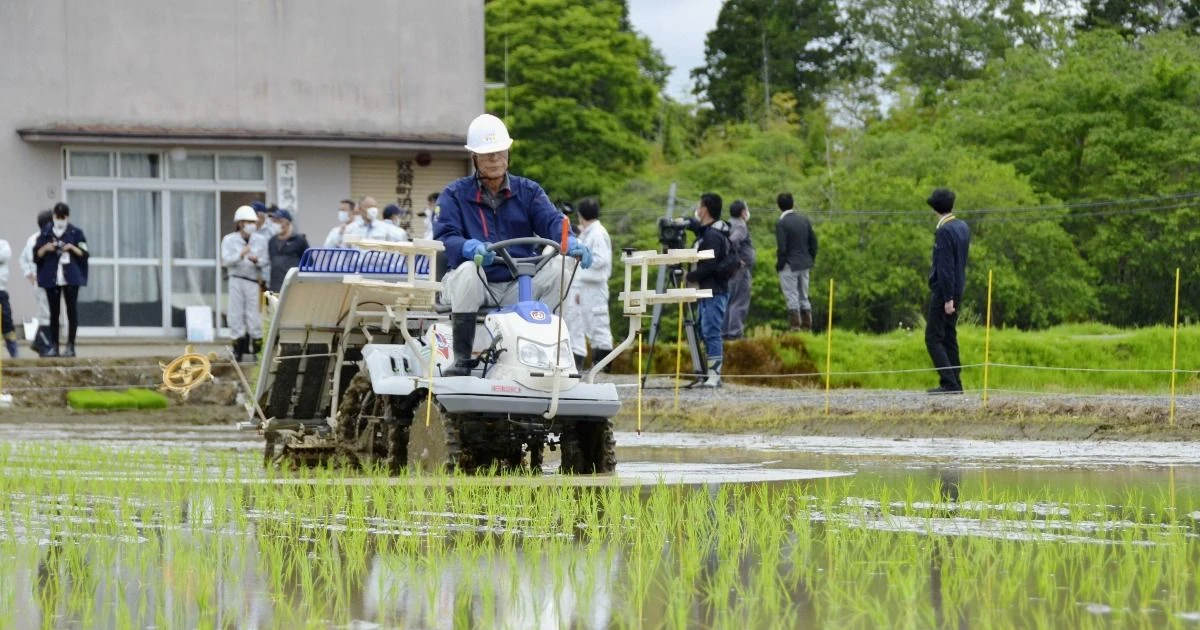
<point x="285" y="249"/>
<point x="61" y="256"/>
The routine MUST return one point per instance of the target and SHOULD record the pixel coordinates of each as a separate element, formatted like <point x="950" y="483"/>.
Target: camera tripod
<point x="691" y="323"/>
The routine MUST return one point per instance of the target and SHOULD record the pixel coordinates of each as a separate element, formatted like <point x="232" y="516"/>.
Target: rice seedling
<point x="206" y="539"/>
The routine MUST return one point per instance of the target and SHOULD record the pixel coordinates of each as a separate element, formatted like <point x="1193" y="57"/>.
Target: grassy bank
<point x="1074" y="358"/>
<point x="1063" y="359"/>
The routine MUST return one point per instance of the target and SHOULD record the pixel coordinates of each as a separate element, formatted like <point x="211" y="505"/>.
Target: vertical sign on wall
<point x="286" y="187"/>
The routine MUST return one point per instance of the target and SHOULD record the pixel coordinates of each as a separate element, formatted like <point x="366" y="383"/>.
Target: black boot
<point x="579" y="359"/>
<point x="464" y="342"/>
<point x="598" y="355"/>
<point x="239" y="348"/>
<point x="255" y="348"/>
<point x="11" y="345"/>
<point x="70" y="351"/>
<point x="51" y="351"/>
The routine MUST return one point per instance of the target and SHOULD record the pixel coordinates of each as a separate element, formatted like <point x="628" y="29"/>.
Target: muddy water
<point x="411" y="590"/>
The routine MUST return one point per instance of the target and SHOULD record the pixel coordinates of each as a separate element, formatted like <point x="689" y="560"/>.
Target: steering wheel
<point x="539" y="260"/>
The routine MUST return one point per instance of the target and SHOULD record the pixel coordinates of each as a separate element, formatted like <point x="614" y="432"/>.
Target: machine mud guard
<point x="470" y="395"/>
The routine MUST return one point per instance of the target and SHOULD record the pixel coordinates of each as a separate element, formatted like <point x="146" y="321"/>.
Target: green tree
<point x="879" y="254"/>
<point x="1138" y="17"/>
<point x="582" y="92"/>
<point x="933" y="44"/>
<point x="802" y="42"/>
<point x="1109" y="119"/>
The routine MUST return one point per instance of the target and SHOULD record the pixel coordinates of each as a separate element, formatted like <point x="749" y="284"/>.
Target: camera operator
<point x="712" y="233"/>
<point x="61" y="255"/>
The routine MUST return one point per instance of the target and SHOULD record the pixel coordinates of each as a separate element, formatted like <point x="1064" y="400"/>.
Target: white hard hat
<point x="245" y="213"/>
<point x="487" y="134"/>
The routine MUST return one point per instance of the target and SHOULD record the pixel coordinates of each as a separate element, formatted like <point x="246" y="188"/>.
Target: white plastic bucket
<point x="31" y="326"/>
<point x="199" y="320"/>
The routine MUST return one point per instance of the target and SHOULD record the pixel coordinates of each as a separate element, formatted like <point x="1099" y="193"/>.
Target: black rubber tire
<point x="283" y="381"/>
<point x="588" y="446"/>
<point x="314" y="382"/>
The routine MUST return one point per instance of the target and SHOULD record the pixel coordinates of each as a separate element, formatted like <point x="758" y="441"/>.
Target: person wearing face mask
<point x="430" y="214"/>
<point x="714" y="273"/>
<point x="586" y="309"/>
<point x="244" y="256"/>
<point x="739" y="285"/>
<point x="490" y="206"/>
<point x="61" y="254"/>
<point x="285" y="249"/>
<point x="371" y="226"/>
<point x="345" y="222"/>
<point x="393" y="215"/>
<point x="41" y="341"/>
<point x="263" y="225"/>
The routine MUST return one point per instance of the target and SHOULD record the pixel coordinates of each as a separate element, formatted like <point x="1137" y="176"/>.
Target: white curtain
<point x="193" y="167"/>
<point x="242" y="168"/>
<point x="194" y="237"/>
<point x="92" y="212"/>
<point x="139" y="165"/>
<point x="139" y="235"/>
<point x="84" y="164"/>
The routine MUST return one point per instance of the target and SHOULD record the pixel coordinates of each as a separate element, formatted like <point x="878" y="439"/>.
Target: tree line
<point x="1068" y="131"/>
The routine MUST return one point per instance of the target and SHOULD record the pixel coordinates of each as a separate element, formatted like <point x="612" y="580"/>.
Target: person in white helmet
<point x="245" y="257"/>
<point x="587" y="303"/>
<point x="487" y="207"/>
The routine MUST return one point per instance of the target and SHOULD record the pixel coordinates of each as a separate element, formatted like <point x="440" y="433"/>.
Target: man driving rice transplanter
<point x="487" y="207"/>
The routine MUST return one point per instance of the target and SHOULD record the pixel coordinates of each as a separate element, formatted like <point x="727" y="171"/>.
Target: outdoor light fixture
<point x="178" y="154"/>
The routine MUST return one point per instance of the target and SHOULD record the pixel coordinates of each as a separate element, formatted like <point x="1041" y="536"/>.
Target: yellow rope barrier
<point x="987" y="338"/>
<point x="829" y="347"/>
<point x="639" y="387"/>
<point x="678" y="355"/>
<point x="1174" y="346"/>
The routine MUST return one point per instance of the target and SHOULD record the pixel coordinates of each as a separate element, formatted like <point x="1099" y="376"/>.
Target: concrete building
<point x="155" y="119"/>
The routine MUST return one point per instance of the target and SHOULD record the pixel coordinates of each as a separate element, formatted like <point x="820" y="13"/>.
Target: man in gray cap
<point x="947" y="281"/>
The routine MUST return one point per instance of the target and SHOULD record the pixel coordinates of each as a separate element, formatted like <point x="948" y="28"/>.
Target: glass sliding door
<point x="194" y="242"/>
<point x="139" y="259"/>
<point x="92" y="212"/>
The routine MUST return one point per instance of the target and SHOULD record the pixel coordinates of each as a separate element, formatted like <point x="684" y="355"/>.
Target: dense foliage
<point x="1068" y="133"/>
<point x="581" y="90"/>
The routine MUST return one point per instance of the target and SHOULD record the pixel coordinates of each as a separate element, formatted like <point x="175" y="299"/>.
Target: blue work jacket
<point x="75" y="272"/>
<point x="525" y="211"/>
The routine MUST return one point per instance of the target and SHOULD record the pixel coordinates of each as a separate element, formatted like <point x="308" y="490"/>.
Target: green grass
<point x="90" y="399"/>
<point x="1087" y="346"/>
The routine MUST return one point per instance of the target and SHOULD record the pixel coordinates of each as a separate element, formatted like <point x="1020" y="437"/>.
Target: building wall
<point x="387" y="67"/>
<point x="373" y="66"/>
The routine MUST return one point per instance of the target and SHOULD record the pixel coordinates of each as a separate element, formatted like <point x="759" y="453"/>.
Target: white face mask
<point x="247" y="228"/>
<point x="343" y="216"/>
<point x="746" y="216"/>
<point x="60" y="224"/>
<point x="372" y="213"/>
<point x="696" y="214"/>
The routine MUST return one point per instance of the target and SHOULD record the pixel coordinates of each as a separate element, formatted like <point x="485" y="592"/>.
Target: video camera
<point x="672" y="233"/>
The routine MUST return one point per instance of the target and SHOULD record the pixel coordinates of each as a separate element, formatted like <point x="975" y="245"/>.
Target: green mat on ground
<point x="128" y="399"/>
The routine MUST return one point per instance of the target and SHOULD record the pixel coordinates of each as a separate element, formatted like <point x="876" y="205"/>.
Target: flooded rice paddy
<point x="140" y="527"/>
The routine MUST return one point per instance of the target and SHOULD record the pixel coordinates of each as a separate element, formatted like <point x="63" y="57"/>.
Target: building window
<point x="139" y="165"/>
<point x="241" y="168"/>
<point x="194" y="167"/>
<point x="154" y="226"/>
<point x="89" y="164"/>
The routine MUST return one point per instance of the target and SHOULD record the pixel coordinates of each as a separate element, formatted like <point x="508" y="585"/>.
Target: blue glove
<point x="580" y="251"/>
<point x="479" y="252"/>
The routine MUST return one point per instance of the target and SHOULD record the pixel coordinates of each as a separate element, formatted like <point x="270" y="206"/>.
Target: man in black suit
<point x="947" y="281"/>
<point x="796" y="250"/>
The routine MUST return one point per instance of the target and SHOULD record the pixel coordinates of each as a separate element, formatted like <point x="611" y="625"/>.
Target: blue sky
<point x="677" y="28"/>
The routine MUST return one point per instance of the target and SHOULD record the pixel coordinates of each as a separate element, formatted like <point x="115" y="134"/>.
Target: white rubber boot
<point x="714" y="373"/>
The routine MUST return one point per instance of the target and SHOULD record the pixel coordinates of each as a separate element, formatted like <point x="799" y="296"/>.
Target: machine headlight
<point x="536" y="355"/>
